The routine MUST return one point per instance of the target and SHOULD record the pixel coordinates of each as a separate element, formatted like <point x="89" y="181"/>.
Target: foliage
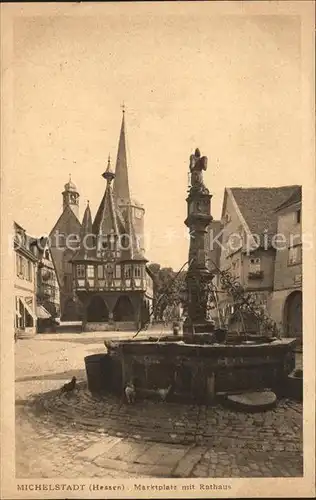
<point x="244" y="303"/>
<point x="168" y="290"/>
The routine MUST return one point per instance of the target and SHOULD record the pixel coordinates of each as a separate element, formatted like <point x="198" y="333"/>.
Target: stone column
<point x="198" y="276"/>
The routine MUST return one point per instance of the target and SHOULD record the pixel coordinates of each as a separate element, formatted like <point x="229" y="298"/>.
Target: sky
<point x="228" y="84"/>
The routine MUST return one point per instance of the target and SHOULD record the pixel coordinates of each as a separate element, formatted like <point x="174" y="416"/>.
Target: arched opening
<point x="123" y="310"/>
<point x="70" y="311"/>
<point x="293" y="315"/>
<point x="97" y="310"/>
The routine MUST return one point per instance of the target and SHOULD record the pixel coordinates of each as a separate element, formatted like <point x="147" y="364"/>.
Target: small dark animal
<point x="70" y="386"/>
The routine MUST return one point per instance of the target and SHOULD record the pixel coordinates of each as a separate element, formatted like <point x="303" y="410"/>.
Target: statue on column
<point x="197" y="165"/>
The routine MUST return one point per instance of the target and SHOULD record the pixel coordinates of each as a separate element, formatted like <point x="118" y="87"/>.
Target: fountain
<point x="202" y="363"/>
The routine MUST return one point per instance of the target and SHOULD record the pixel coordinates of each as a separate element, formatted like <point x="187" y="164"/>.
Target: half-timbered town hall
<point x="106" y="280"/>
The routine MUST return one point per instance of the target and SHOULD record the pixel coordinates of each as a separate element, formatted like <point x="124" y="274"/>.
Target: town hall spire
<point x="121" y="185"/>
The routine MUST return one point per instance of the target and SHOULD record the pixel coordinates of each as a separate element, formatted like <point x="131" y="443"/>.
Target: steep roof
<point x="133" y="252"/>
<point x="121" y="186"/>
<point x="67" y="223"/>
<point x="87" y="250"/>
<point x="258" y="206"/>
<point x="296" y="197"/>
<point x="98" y="216"/>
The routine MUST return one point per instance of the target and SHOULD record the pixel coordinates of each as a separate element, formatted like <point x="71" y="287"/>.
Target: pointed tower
<point x="71" y="197"/>
<point x="121" y="185"/>
<point x="132" y="211"/>
<point x="87" y="239"/>
<point x="106" y="229"/>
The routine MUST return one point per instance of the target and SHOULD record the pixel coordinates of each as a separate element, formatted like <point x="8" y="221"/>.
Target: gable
<point x="66" y="224"/>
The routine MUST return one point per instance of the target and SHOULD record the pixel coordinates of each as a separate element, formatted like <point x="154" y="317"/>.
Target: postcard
<point x="158" y="236"/>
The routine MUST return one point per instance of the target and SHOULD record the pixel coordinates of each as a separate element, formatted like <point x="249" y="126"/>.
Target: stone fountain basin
<point x="201" y="371"/>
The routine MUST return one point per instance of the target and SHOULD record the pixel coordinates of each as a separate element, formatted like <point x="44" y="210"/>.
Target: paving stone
<point x="163" y="454"/>
<point x="130" y="450"/>
<point x="188" y="462"/>
<point x="104" y="445"/>
<point x="146" y="469"/>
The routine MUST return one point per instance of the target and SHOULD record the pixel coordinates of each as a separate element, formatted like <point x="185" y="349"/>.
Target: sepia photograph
<point x="158" y="243"/>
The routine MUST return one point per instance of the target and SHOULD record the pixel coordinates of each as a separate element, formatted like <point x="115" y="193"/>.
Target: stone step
<point x="253" y="401"/>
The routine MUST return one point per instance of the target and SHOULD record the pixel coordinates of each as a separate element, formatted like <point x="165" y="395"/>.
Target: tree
<point x="245" y="304"/>
<point x="154" y="268"/>
<point x="168" y="288"/>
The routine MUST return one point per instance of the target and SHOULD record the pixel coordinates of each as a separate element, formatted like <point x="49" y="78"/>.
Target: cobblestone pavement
<point x="83" y="435"/>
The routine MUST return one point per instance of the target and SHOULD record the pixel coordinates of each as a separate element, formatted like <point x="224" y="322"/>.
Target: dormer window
<point x="125" y="242"/>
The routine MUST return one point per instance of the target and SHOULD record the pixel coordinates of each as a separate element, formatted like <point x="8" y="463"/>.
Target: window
<point x="24" y="268"/>
<point x="80" y="271"/>
<point x="118" y="272"/>
<point x="137" y="271"/>
<point x="295" y="255"/>
<point x="109" y="270"/>
<point x="100" y="272"/>
<point x="255" y="265"/>
<point x="29" y="270"/>
<point x="298" y="217"/>
<point x="20" y="265"/>
<point x="128" y="272"/>
<point x="17" y="264"/>
<point x="90" y="271"/>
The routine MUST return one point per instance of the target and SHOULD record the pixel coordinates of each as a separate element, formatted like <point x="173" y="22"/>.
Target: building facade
<point x="47" y="292"/>
<point x="250" y="223"/>
<point x="287" y="297"/>
<point x="110" y="276"/>
<point x="25" y="284"/>
<point x="64" y="242"/>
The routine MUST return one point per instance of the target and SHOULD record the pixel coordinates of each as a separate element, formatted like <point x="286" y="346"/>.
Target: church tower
<point x="71" y="197"/>
<point x="131" y="209"/>
<point x="63" y="248"/>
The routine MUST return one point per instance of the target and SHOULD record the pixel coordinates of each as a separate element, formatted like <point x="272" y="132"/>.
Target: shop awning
<point x="41" y="313"/>
<point x="27" y="307"/>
